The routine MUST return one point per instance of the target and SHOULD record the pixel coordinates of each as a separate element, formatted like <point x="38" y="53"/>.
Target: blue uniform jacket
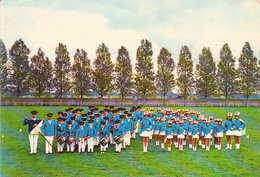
<point x="195" y="130"/>
<point x="49" y="129"/>
<point x="31" y="123"/>
<point x="60" y="129"/>
<point x="169" y="130"/>
<point x="103" y="132"/>
<point x="163" y="127"/>
<point x="228" y="125"/>
<point x="118" y="130"/>
<point x="90" y="131"/>
<point x="239" y="125"/>
<point x="208" y="129"/>
<point x="145" y="125"/>
<point x="181" y="129"/>
<point x="80" y="133"/>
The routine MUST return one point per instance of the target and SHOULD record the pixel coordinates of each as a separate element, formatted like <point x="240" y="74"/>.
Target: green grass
<point x="16" y="161"/>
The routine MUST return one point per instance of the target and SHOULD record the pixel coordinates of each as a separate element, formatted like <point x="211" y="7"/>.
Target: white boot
<point x="203" y="146"/>
<point x="227" y="146"/>
<point x="200" y="143"/>
<point x="237" y="146"/>
<point x="230" y="146"/>
<point x="190" y="145"/>
<point x="177" y="145"/>
<point x="162" y="145"/>
<point x="169" y="149"/>
<point x="207" y="148"/>
<point x="216" y="146"/>
<point x="143" y="148"/>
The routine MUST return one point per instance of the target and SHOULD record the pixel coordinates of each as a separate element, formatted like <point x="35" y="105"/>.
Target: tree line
<point x="20" y="75"/>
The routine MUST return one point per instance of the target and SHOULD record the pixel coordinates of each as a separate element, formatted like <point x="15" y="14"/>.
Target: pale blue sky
<point x="166" y="23"/>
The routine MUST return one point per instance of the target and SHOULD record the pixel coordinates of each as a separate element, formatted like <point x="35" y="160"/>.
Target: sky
<point x="166" y="23"/>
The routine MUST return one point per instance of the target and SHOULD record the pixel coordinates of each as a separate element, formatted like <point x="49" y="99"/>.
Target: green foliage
<point x="227" y="74"/>
<point x="144" y="78"/>
<point x="165" y="77"/>
<point x="3" y="68"/>
<point x="102" y="80"/>
<point x="81" y="73"/>
<point x="185" y="80"/>
<point x="123" y="72"/>
<point x="41" y="74"/>
<point x="62" y="68"/>
<point x="206" y="84"/>
<point x="248" y="71"/>
<point x="19" y="69"/>
<point x="16" y="161"/>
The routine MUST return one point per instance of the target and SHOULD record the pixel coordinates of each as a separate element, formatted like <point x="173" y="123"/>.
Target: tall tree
<point x="41" y="73"/>
<point x="144" y="78"/>
<point x="227" y="74"/>
<point x="248" y="71"/>
<point x="19" y="69"/>
<point x="185" y="80"/>
<point x="102" y="80"/>
<point x="3" y="68"/>
<point x="81" y="73"/>
<point x="205" y="74"/>
<point x="165" y="77"/>
<point x="123" y="71"/>
<point x="62" y="68"/>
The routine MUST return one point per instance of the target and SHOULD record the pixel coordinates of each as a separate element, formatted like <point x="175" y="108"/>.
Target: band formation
<point x="78" y="130"/>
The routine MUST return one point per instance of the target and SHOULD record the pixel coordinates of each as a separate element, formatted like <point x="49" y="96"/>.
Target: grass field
<point x="16" y="161"/>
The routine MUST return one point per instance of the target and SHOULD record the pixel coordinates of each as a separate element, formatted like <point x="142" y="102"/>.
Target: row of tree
<point x="19" y="76"/>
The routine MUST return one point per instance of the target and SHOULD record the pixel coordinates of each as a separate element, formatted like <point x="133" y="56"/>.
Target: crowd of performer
<point x="75" y="128"/>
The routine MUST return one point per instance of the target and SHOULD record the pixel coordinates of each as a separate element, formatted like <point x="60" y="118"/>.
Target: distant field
<point x="16" y="161"/>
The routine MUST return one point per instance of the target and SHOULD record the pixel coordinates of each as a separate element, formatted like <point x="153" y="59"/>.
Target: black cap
<point x="91" y="117"/>
<point x="122" y="116"/>
<point x="139" y="107"/>
<point x="81" y="123"/>
<point x="59" y="119"/>
<point x="97" y="115"/>
<point x="72" y="118"/>
<point x="117" y="121"/>
<point x="129" y="115"/>
<point x="64" y="114"/>
<point x="90" y="113"/>
<point x="70" y="108"/>
<point x="90" y="107"/>
<point x="90" y="121"/>
<point x="103" y="123"/>
<point x="84" y="119"/>
<point x="105" y="118"/>
<point x="106" y="110"/>
<point x="63" y="119"/>
<point x="69" y="123"/>
<point x="34" y="112"/>
<point x="49" y="114"/>
<point x="95" y="109"/>
<point x="84" y="115"/>
<point x="74" y="111"/>
<point x="67" y="110"/>
<point x="106" y="106"/>
<point x="101" y="112"/>
<point x="111" y="107"/>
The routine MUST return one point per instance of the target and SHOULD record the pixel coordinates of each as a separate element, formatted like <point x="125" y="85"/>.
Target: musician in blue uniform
<point x="123" y="124"/>
<point x="145" y="125"/>
<point x="80" y="135"/>
<point x="103" y="134"/>
<point x="48" y="130"/>
<point x="33" y="123"/>
<point x="135" y="122"/>
<point x="128" y="129"/>
<point x="239" y="126"/>
<point x="157" y="130"/>
<point x="118" y="132"/>
<point x="208" y="131"/>
<point x="162" y="131"/>
<point x="180" y="132"/>
<point x="151" y="116"/>
<point x="219" y="131"/>
<point x="75" y="125"/>
<point x="195" y="131"/>
<point x="229" y="130"/>
<point x="60" y="130"/>
<point x="175" y="128"/>
<point x="189" y="128"/>
<point x="90" y="131"/>
<point x="169" y="135"/>
<point x="70" y="136"/>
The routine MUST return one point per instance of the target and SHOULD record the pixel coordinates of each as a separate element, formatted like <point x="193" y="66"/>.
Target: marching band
<point x="77" y="130"/>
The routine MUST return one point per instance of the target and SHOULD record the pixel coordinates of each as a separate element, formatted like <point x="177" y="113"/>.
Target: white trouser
<point x="71" y="147"/>
<point x="127" y="138"/>
<point x="133" y="134"/>
<point x="118" y="147"/>
<point x="102" y="148"/>
<point x="96" y="141"/>
<point x="48" y="147"/>
<point x="33" y="143"/>
<point x="60" y="147"/>
<point x="90" y="144"/>
<point x="111" y="139"/>
<point x="81" y="145"/>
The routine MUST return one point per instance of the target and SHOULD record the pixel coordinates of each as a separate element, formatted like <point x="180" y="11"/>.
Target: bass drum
<point x="61" y="139"/>
<point x="71" y="140"/>
<point x="104" y="141"/>
<point x="119" y="139"/>
<point x="134" y="126"/>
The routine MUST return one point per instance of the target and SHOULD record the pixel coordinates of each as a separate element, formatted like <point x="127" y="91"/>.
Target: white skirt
<point x="145" y="134"/>
<point x="219" y="135"/>
<point x="156" y="132"/>
<point x="189" y="133"/>
<point x="162" y="133"/>
<point x="151" y="132"/>
<point x="169" y="136"/>
<point x="244" y="131"/>
<point x="229" y="133"/>
<point x="237" y="133"/>
<point x="195" y="136"/>
<point x="181" y="136"/>
<point x="208" y="136"/>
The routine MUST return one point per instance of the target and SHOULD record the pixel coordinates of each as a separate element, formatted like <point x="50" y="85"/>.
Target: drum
<point x="71" y="139"/>
<point x="134" y="126"/>
<point x="61" y="139"/>
<point x="104" y="141"/>
<point x="119" y="139"/>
